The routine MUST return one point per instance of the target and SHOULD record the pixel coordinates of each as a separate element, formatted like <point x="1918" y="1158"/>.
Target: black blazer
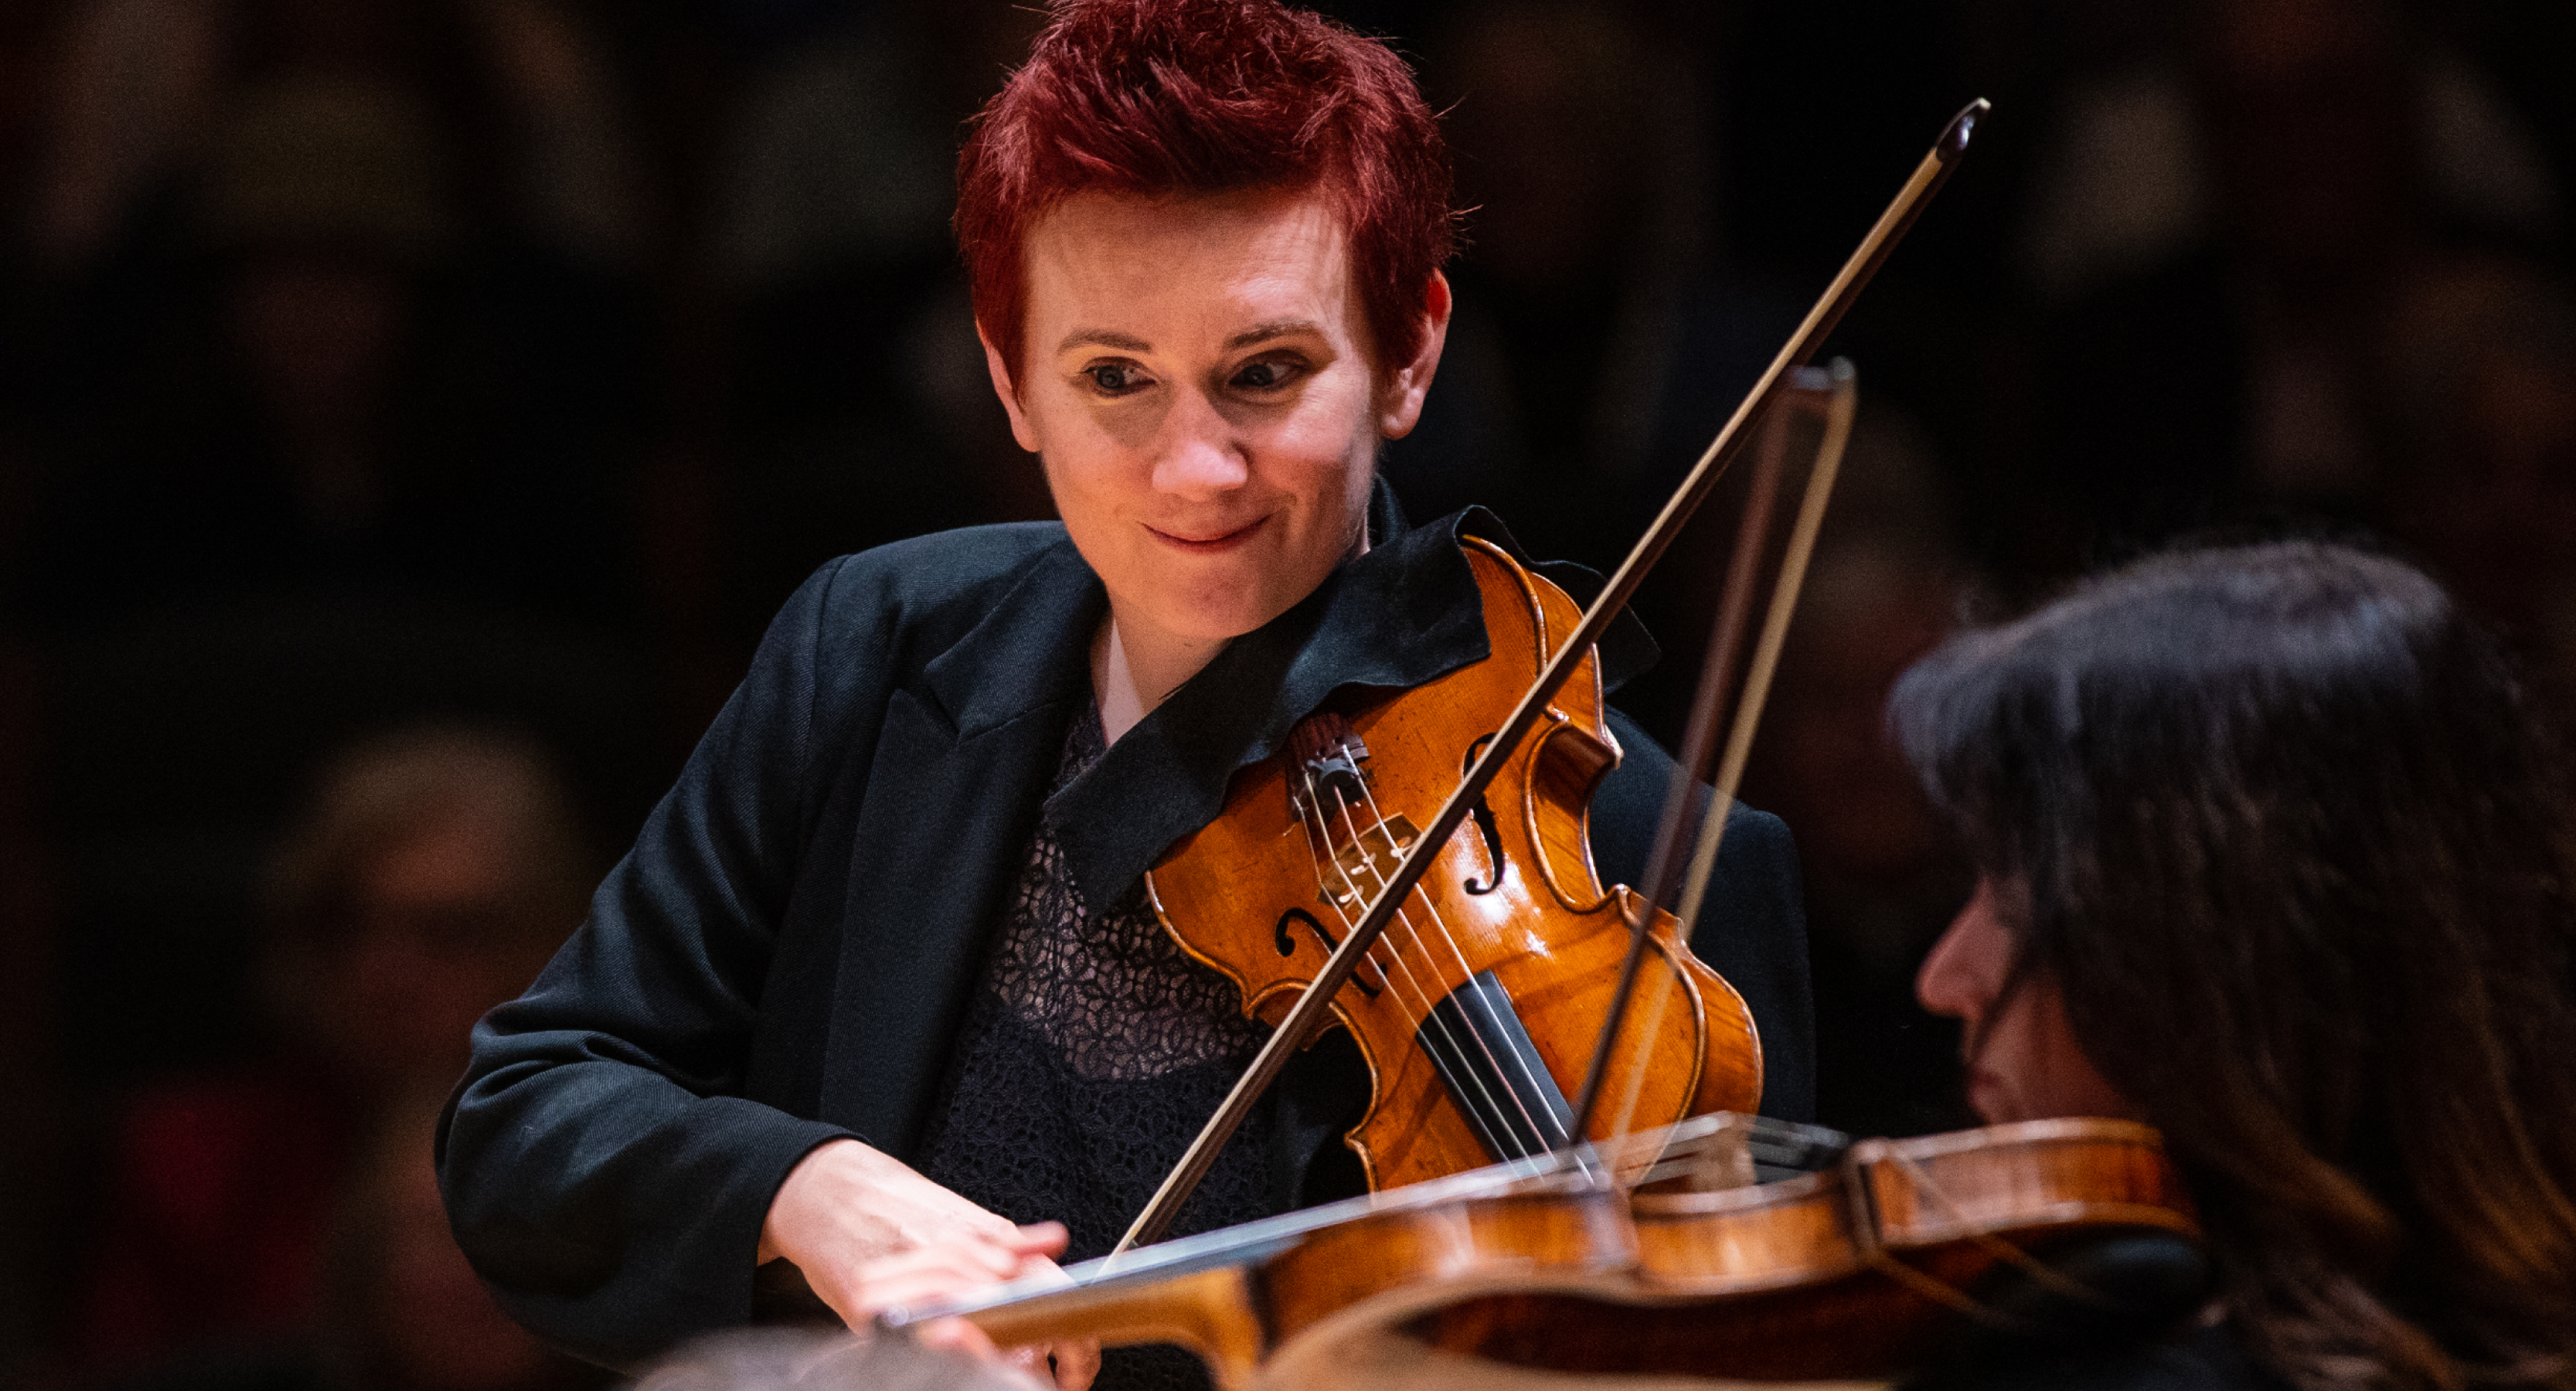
<point x="787" y="953"/>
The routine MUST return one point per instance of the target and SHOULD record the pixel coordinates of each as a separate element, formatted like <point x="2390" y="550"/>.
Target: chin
<point x="1226" y="607"/>
<point x="1219" y="622"/>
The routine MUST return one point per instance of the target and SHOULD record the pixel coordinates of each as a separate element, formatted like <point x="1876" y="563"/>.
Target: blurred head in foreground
<point x="794" y="1359"/>
<point x="2276" y="856"/>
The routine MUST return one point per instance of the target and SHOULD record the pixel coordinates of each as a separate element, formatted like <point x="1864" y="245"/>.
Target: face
<point x="431" y="945"/>
<point x="2022" y="1058"/>
<point x="1198" y="378"/>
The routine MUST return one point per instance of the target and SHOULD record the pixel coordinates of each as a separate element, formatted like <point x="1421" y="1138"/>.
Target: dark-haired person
<point x="875" y="979"/>
<point x="2277" y="858"/>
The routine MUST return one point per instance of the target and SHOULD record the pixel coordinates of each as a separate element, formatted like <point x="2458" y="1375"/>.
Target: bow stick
<point x="1840" y="399"/>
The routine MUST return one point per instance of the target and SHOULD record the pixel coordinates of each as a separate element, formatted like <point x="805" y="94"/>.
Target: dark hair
<point x="1157" y="97"/>
<point x="2283" y="829"/>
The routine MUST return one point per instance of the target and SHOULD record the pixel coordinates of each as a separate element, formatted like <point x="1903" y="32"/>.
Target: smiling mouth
<point x="1212" y="544"/>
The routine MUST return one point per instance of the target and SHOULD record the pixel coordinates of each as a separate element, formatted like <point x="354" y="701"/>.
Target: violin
<point x="1872" y="1266"/>
<point x="1485" y="997"/>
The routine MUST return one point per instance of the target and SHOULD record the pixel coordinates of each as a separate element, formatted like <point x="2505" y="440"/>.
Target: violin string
<point x="1377" y="817"/>
<point x="1425" y="1008"/>
<point x="1430" y="1015"/>
<point x="1519" y="1102"/>
<point x="1323" y="886"/>
<point x="1458" y="1086"/>
<point x="1466" y="975"/>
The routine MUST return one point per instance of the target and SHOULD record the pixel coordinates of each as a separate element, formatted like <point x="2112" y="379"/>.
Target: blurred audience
<point x="1598" y="343"/>
<point x="400" y="1310"/>
<point x="862" y="411"/>
<point x="1882" y="879"/>
<point x="2225" y="245"/>
<point x="432" y="874"/>
<point x="333" y="333"/>
<point x="2480" y="354"/>
<point x="136" y="85"/>
<point x="305" y="332"/>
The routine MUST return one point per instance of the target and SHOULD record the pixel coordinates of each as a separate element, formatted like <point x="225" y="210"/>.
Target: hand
<point x="954" y="1267"/>
<point x="869" y="1232"/>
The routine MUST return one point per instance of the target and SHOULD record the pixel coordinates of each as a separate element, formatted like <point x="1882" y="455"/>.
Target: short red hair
<point x="1155" y="97"/>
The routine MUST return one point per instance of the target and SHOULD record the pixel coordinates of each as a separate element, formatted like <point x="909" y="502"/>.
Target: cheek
<point x="2032" y="1050"/>
<point x="1088" y="479"/>
<point x="2073" y="1086"/>
<point x="1327" y="458"/>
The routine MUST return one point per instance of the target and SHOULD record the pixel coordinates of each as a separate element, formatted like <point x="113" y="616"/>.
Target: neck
<point x="1135" y="667"/>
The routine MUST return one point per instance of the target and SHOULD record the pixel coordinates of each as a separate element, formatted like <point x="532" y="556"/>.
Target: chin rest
<point x="2118" y="1289"/>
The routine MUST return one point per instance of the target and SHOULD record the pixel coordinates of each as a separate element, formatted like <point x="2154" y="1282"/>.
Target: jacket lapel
<point x="960" y="766"/>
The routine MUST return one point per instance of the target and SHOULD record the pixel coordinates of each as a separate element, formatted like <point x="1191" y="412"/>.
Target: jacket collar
<point x="1402" y="614"/>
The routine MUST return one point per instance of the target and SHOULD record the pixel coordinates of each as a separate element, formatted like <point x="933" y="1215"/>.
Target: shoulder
<point x="957" y="574"/>
<point x="1630" y="802"/>
<point x="876" y="615"/>
<point x="866" y="625"/>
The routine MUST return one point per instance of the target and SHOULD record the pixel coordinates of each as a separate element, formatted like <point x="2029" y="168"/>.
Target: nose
<point x="1199" y="454"/>
<point x="1954" y="980"/>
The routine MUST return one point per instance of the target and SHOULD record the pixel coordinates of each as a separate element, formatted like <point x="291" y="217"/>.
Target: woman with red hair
<point x="876" y="987"/>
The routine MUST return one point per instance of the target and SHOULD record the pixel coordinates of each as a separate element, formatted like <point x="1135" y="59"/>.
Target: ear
<point x="1021" y="430"/>
<point x="1400" y="403"/>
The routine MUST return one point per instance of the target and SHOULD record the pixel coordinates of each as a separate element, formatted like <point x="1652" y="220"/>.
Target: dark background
<point x="499" y="365"/>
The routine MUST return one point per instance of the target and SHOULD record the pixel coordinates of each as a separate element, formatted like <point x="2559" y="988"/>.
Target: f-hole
<point x="1287" y="945"/>
<point x="1484" y="814"/>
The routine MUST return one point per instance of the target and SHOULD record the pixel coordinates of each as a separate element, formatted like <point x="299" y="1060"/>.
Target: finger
<point x="908" y="1292"/>
<point x="1034" y="1267"/>
<point x="957" y="1335"/>
<point x="1040" y="1239"/>
<point x="881" y="1287"/>
<point x="1076" y="1364"/>
<point x="964" y="1257"/>
<point x="913" y="1279"/>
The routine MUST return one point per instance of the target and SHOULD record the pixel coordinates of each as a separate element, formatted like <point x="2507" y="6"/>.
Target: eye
<point x="1115" y="378"/>
<point x="1267" y="375"/>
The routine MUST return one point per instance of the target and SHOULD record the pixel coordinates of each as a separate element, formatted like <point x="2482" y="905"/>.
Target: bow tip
<point x="1954" y="141"/>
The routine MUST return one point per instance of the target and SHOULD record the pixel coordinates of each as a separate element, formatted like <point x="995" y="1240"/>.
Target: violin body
<point x="1868" y="1269"/>
<point x="1479" y="1009"/>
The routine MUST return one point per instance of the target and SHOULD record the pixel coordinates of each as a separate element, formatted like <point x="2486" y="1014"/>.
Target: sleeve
<point x="599" y="1170"/>
<point x="1752" y="926"/>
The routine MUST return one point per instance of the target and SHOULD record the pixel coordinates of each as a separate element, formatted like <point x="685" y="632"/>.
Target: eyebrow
<point x="1276" y="328"/>
<point x="1130" y="343"/>
<point x="1107" y="338"/>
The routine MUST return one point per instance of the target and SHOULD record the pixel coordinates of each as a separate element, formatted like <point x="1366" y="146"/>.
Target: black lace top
<point x="1093" y="1052"/>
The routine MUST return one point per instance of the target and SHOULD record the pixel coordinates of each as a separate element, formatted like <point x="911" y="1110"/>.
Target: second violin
<point x="1894" y="1254"/>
